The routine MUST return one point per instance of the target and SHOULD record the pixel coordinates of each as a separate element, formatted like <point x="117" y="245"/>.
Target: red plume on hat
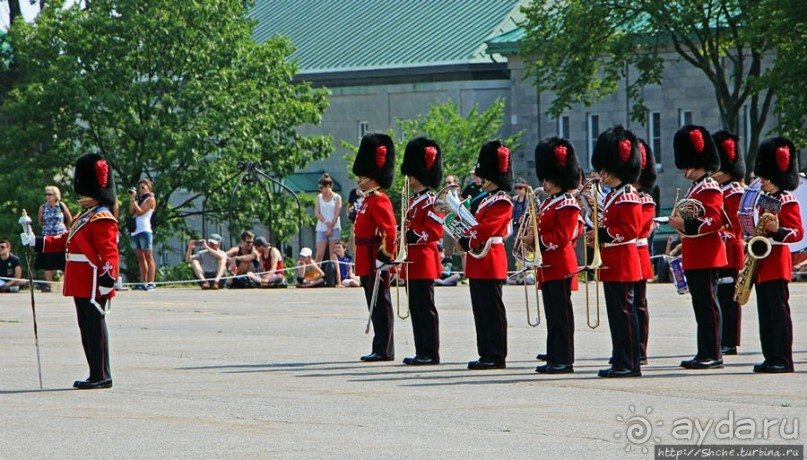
<point x="504" y="158"/>
<point x="93" y="178"/>
<point x="776" y="161"/>
<point x="380" y="156"/>
<point x="429" y="155"/>
<point x="102" y="172"/>
<point x="731" y="160"/>
<point x="696" y="136"/>
<point x="561" y="154"/>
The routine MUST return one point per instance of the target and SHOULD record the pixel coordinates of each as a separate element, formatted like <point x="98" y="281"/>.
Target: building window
<point x="654" y="135"/>
<point x="364" y="128"/>
<point x="684" y="117"/>
<point x="563" y="127"/>
<point x="593" y="122"/>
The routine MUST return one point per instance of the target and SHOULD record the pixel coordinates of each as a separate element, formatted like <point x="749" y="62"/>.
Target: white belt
<point x="75" y="257"/>
<point x="496" y="240"/>
<point x="623" y="243"/>
<point x="641" y="242"/>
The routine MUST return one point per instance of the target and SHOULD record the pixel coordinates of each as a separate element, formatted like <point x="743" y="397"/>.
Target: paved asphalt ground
<point x="275" y="374"/>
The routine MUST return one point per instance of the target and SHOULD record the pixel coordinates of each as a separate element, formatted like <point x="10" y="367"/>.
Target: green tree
<point x="459" y="138"/>
<point x="173" y="91"/>
<point x="582" y="49"/>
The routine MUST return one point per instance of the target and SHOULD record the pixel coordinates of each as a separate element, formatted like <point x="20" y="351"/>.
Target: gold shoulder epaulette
<point x="102" y="215"/>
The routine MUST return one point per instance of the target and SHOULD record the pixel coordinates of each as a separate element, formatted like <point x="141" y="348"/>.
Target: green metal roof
<point x="507" y="42"/>
<point x="346" y="35"/>
<point x="308" y="182"/>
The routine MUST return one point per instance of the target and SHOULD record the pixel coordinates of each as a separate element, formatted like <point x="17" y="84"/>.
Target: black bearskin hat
<point x="647" y="178"/>
<point x="376" y="159"/>
<point x="777" y="161"/>
<point x="556" y="162"/>
<point x="617" y="151"/>
<point x="694" y="148"/>
<point x="93" y="178"/>
<point x="423" y="160"/>
<point x="495" y="164"/>
<point x="731" y="160"/>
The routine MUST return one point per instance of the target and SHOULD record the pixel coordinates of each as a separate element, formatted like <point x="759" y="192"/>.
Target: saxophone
<point x="758" y="248"/>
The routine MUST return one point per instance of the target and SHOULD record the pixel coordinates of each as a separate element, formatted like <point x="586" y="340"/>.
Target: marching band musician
<point x="617" y="160"/>
<point x="557" y="167"/>
<point x="423" y="164"/>
<point x="487" y="273"/>
<point x="374" y="232"/>
<point x="703" y="252"/>
<point x="730" y="177"/>
<point x="647" y="179"/>
<point x="776" y="165"/>
<point x="91" y="250"/>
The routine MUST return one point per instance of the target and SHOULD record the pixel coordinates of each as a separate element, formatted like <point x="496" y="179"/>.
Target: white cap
<point x="305" y="252"/>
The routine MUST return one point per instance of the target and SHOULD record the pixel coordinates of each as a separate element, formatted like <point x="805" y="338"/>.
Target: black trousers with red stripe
<point x="775" y="323"/>
<point x="94" y="337"/>
<point x="425" y="321"/>
<point x="383" y="340"/>
<point x="557" y="297"/>
<point x="624" y="324"/>
<point x="703" y="287"/>
<point x="642" y="313"/>
<point x="732" y="313"/>
<point x="490" y="319"/>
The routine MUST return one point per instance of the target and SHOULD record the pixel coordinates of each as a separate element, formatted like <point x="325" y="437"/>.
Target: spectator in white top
<point x="327" y="210"/>
<point x="142" y="204"/>
<point x="209" y="263"/>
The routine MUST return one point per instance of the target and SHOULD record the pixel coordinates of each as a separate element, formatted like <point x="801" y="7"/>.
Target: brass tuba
<point x="458" y="220"/>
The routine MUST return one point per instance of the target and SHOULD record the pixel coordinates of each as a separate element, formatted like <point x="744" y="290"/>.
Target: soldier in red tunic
<point x="557" y="167"/>
<point x="374" y="232"/>
<point x="776" y="165"/>
<point x="647" y="179"/>
<point x="486" y="273"/>
<point x="91" y="249"/>
<point x="730" y="177"/>
<point x="703" y="251"/>
<point x="423" y="166"/>
<point x="617" y="160"/>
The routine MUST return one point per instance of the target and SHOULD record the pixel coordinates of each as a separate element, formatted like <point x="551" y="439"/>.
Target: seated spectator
<point x="270" y="262"/>
<point x="308" y="272"/>
<point x="446" y="277"/>
<point x="241" y="261"/>
<point x="10" y="268"/>
<point x="209" y="263"/>
<point x="672" y="250"/>
<point x="346" y="277"/>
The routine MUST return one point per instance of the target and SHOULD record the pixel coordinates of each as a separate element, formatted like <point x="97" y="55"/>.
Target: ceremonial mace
<point x="25" y="221"/>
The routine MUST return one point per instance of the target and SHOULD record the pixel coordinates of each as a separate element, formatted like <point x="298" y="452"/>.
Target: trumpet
<point x="592" y="198"/>
<point x="401" y="256"/>
<point x="527" y="251"/>
<point x="458" y="219"/>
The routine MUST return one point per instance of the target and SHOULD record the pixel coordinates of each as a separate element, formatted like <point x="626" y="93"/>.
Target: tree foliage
<point x="583" y="49"/>
<point x="459" y="138"/>
<point x="174" y="91"/>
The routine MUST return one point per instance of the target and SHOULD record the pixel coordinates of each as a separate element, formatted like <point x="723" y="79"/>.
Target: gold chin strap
<point x="85" y="200"/>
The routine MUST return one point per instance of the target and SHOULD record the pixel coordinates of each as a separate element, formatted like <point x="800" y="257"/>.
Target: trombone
<point x="522" y="248"/>
<point x="401" y="257"/>
<point x="596" y="259"/>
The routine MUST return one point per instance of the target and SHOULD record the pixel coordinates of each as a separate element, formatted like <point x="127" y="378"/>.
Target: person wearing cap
<point x="308" y="272"/>
<point x="375" y="234"/>
<point x="777" y="166"/>
<point x="730" y="176"/>
<point x="423" y="167"/>
<point x="617" y="161"/>
<point x="209" y="263"/>
<point x="91" y="253"/>
<point x="558" y="228"/>
<point x="644" y="186"/>
<point x="703" y="253"/>
<point x="487" y="271"/>
<point x="270" y="263"/>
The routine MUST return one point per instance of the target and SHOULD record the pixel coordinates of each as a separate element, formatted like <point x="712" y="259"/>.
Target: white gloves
<point x="28" y="239"/>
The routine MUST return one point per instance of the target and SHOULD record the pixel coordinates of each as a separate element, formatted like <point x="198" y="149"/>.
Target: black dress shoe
<point x="542" y="357"/>
<point x="421" y="361"/>
<point x="618" y="373"/>
<point x="766" y="368"/>
<point x="376" y="357"/>
<point x="97" y="385"/>
<point x="483" y="365"/>
<point x="550" y="368"/>
<point x="696" y="363"/>
<point x="729" y="350"/>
